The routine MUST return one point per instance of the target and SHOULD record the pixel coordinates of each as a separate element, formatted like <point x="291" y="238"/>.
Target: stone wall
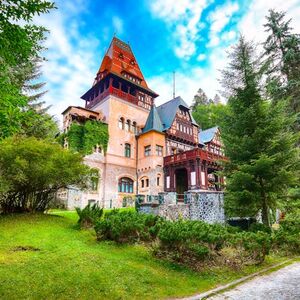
<point x="202" y="205"/>
<point x="206" y="206"/>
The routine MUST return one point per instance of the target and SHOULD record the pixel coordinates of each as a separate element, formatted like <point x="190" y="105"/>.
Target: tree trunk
<point x="265" y="208"/>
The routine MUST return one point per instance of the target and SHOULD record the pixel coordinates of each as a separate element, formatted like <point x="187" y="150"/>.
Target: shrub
<point x="252" y="246"/>
<point x="89" y="215"/>
<point x="255" y="227"/>
<point x="127" y="226"/>
<point x="189" y="242"/>
<point x="287" y="238"/>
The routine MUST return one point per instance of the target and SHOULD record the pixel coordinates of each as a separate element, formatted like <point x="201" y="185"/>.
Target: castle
<point x="151" y="150"/>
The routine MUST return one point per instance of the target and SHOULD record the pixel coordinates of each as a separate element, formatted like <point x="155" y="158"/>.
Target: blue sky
<point x="190" y="37"/>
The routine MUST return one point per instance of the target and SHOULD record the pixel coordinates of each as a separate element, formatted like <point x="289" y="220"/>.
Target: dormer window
<point x="121" y="55"/>
<point x="132" y="62"/>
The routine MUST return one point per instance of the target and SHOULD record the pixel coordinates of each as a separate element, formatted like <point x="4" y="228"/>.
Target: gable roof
<point x="153" y="122"/>
<point x="207" y="135"/>
<point x="167" y="111"/>
<point x="119" y="58"/>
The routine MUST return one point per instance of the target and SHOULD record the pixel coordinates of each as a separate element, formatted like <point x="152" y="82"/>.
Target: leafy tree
<point x="210" y="115"/>
<point x="20" y="46"/>
<point x="282" y="47"/>
<point x="258" y="141"/>
<point x="32" y="170"/>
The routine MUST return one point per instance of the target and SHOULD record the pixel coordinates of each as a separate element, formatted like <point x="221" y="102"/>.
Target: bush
<point x="252" y="246"/>
<point x="189" y="242"/>
<point x="89" y="215"/>
<point x="255" y="227"/>
<point x="287" y="238"/>
<point x="127" y="226"/>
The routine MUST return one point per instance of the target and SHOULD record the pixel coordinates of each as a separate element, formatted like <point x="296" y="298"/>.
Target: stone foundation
<point x="201" y="205"/>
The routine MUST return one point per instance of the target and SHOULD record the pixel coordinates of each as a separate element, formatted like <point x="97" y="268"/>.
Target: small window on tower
<point x="121" y="55"/>
<point x="132" y="62"/>
<point x="147" y="150"/>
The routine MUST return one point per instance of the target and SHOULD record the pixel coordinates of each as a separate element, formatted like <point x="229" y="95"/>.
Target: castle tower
<point x="121" y="94"/>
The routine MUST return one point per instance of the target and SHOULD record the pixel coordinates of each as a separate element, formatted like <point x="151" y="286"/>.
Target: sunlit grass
<point x="71" y="264"/>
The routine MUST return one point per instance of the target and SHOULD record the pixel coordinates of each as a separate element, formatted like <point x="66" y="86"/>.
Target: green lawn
<point x="71" y="264"/>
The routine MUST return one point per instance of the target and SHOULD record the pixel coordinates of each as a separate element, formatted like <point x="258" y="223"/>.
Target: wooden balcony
<point x="118" y="93"/>
<point x="194" y="154"/>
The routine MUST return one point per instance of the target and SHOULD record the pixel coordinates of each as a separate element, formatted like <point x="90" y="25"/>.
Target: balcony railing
<point x="192" y="155"/>
<point x="118" y="93"/>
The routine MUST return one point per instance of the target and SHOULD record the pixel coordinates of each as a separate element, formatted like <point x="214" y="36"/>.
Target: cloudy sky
<point x="190" y="37"/>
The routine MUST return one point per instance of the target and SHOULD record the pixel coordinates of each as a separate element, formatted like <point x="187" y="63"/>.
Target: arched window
<point x="127" y="125"/>
<point x="121" y="123"/>
<point x="125" y="185"/>
<point x="134" y="128"/>
<point x="127" y="150"/>
<point x="158" y="179"/>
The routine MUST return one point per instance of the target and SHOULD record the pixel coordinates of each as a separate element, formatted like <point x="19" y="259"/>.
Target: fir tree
<point x="200" y="99"/>
<point x="257" y="138"/>
<point x="282" y="47"/>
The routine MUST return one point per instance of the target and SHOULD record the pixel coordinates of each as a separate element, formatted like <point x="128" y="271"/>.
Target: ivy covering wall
<point x="84" y="137"/>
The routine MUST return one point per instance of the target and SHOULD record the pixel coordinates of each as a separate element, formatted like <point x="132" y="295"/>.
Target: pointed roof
<point x="167" y="111"/>
<point x="153" y="122"/>
<point x="207" y="135"/>
<point x="119" y="58"/>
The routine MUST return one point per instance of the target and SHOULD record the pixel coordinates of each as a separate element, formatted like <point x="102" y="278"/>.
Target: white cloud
<point x="183" y="18"/>
<point x="201" y="57"/>
<point x="218" y="19"/>
<point x="118" y="25"/>
<point x="71" y="60"/>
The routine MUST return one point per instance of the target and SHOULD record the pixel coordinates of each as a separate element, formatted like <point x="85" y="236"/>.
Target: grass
<point x="71" y="264"/>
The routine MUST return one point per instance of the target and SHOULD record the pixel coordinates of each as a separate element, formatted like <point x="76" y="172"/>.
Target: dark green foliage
<point x="263" y="161"/>
<point x="89" y="215"/>
<point x="190" y="242"/>
<point x="282" y="49"/>
<point x="254" y="245"/>
<point x="287" y="238"/>
<point x="32" y="170"/>
<point x="127" y="227"/>
<point x="20" y="42"/>
<point x="255" y="227"/>
<point x="84" y="137"/>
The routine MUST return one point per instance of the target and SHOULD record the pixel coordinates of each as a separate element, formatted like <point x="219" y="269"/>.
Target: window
<point x="147" y="150"/>
<point x="159" y="150"/>
<point x="158" y="180"/>
<point x="127" y="150"/>
<point x="121" y="123"/>
<point x="143" y="183"/>
<point x="125" y="185"/>
<point x="147" y="182"/>
<point x="94" y="180"/>
<point x="134" y="128"/>
<point x="127" y="125"/>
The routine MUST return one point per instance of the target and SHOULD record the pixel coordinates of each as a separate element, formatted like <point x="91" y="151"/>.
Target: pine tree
<point x="200" y="99"/>
<point x="36" y="120"/>
<point x="217" y="99"/>
<point x="282" y="47"/>
<point x="257" y="138"/>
